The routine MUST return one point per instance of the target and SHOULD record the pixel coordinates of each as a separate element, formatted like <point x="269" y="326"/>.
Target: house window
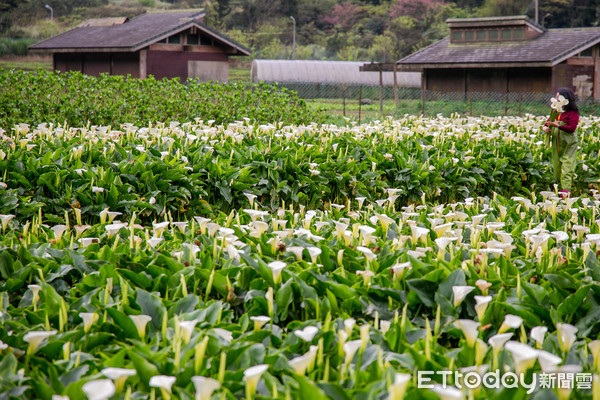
<point x="518" y="34"/>
<point x="469" y="35"/>
<point x="191" y="39"/>
<point x="505" y="34"/>
<point x="481" y="35"/>
<point x="586" y="53"/>
<point x="175" y="39"/>
<point x="493" y="34"/>
<point x="162" y="41"/>
<point x="457" y="36"/>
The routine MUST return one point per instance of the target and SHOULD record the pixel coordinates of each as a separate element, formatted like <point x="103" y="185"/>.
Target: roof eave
<point x="423" y="66"/>
<point x="84" y="49"/>
<point x="574" y="51"/>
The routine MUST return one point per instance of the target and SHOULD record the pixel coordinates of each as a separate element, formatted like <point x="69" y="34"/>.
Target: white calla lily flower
<point x="460" y="293"/>
<point x="307" y="334"/>
<point x="350" y="349"/>
<point x="566" y="334"/>
<point x="276" y="268"/>
<point x="483" y="285"/>
<point x="524" y="356"/>
<point x="538" y="334"/>
<point x="35" y="339"/>
<point x="260" y="321"/>
<point x="205" y="387"/>
<point x="497" y="341"/>
<point x="548" y="361"/>
<point x="314" y="252"/>
<point x="470" y="330"/>
<point x="300" y="364"/>
<point x="252" y="376"/>
<point x="510" y="322"/>
<point x="140" y="322"/>
<point x="99" y="389"/>
<point x="88" y="320"/>
<point x="163" y="382"/>
<point x="397" y="389"/>
<point x="481" y="303"/>
<point x="187" y="328"/>
<point x="118" y="375"/>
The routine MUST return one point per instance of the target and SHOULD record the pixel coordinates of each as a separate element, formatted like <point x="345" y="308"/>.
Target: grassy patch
<point x="27" y="63"/>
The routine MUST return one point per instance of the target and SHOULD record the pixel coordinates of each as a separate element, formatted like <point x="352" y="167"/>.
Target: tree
<point x="383" y="49"/>
<point x="418" y="9"/>
<point x="501" y="8"/>
<point x="411" y="22"/>
<point x="344" y="15"/>
<point x="570" y="13"/>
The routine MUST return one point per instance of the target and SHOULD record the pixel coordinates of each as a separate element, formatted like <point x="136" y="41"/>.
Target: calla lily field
<point x="221" y="260"/>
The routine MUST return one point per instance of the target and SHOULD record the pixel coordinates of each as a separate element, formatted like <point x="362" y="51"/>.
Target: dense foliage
<point x="376" y="30"/>
<point x="198" y="168"/>
<point x="71" y="97"/>
<point x="107" y="292"/>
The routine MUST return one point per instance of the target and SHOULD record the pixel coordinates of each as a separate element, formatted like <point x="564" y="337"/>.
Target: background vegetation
<point x="376" y="30"/>
<point x="74" y="98"/>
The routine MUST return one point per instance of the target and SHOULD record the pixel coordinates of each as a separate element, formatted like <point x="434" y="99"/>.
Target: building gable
<point x="135" y="34"/>
<point x="533" y="47"/>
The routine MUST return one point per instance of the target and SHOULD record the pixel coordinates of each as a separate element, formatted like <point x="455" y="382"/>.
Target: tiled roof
<point x="548" y="49"/>
<point x="132" y="35"/>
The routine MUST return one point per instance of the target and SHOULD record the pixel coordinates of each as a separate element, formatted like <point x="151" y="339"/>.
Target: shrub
<point x="74" y="98"/>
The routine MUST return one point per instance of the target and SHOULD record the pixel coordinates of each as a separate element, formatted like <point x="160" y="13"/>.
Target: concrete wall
<point x="209" y="70"/>
<point x="580" y="78"/>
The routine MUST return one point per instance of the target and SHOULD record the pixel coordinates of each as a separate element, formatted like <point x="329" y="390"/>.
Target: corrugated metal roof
<point x="327" y="72"/>
<point x="549" y="48"/>
<point x="134" y="34"/>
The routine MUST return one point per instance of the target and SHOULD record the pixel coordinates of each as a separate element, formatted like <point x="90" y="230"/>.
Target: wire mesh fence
<point x="362" y="103"/>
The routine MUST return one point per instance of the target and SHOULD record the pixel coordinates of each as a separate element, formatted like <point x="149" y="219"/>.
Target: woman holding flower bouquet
<point x="561" y="126"/>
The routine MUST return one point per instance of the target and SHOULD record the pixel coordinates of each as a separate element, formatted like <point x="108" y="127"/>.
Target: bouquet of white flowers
<point x="558" y="106"/>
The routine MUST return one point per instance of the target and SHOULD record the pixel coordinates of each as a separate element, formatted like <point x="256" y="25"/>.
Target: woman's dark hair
<point x="569" y="95"/>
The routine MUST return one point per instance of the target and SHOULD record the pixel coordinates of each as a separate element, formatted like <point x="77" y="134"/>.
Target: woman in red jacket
<point x="564" y="142"/>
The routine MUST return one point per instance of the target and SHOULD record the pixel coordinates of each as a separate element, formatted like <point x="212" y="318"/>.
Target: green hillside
<point x="376" y="30"/>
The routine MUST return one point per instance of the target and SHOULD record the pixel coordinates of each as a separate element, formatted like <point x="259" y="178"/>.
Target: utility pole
<point x="51" y="19"/>
<point x="51" y="12"/>
<point x="294" y="39"/>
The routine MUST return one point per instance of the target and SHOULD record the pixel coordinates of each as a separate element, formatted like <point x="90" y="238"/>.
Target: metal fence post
<point x="470" y="104"/>
<point x="395" y="89"/>
<point x="344" y="98"/>
<point x="380" y="91"/>
<point x="359" y="102"/>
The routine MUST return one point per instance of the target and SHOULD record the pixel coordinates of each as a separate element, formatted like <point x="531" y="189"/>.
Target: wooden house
<point x="507" y="55"/>
<point x="165" y="45"/>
